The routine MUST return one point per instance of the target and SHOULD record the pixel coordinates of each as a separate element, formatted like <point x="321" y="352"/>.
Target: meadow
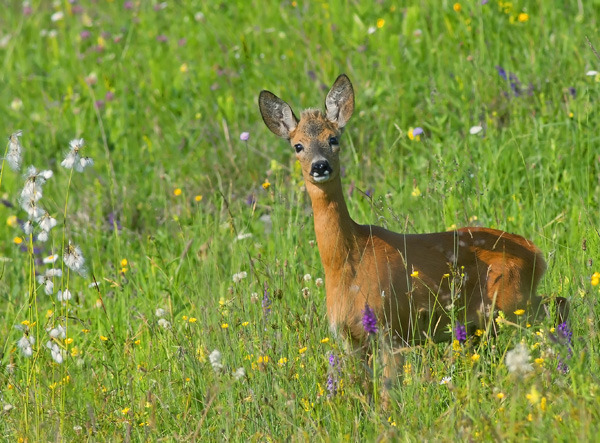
<point x="179" y="296"/>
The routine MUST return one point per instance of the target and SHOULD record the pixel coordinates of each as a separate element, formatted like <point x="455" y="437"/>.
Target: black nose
<point x="320" y="168"/>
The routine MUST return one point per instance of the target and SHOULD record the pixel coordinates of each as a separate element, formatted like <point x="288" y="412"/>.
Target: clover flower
<point x="517" y="360"/>
<point x="369" y="320"/>
<point x="460" y="332"/>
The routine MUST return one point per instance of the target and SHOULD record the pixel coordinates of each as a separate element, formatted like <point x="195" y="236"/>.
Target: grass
<point x="161" y="93"/>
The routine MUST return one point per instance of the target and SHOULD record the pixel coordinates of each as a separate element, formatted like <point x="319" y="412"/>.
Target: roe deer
<point x="410" y="281"/>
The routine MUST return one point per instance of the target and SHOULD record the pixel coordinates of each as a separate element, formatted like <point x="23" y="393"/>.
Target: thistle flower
<point x="460" y="332"/>
<point x="25" y="344"/>
<point x="55" y="351"/>
<point x="73" y="259"/>
<point x="369" y="320"/>
<point x="14" y="156"/>
<point x="215" y="361"/>
<point x="517" y="360"/>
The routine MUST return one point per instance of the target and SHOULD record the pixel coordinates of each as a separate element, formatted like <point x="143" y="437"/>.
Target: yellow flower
<point x="68" y="340"/>
<point x="74" y="351"/>
<point x="246" y="323"/>
<point x="124" y="411"/>
<point x="416" y="192"/>
<point x="595" y="278"/>
<point x="456" y="346"/>
<point x="17" y="240"/>
<point x="543" y="405"/>
<point x="282" y="361"/>
<point x="523" y="17"/>
<point x="539" y="361"/>
<point x="184" y="317"/>
<point x="49" y="313"/>
<point x="571" y="115"/>
<point x="475" y="358"/>
<point x="263" y="359"/>
<point x="325" y="340"/>
<point x="415" y="274"/>
<point x="124" y="262"/>
<point x="391" y="422"/>
<point x="479" y="332"/>
<point x="11" y="221"/>
<point x="224" y="326"/>
<point x="266" y="184"/>
<point x="137" y="342"/>
<point x="183" y="68"/>
<point x="533" y="396"/>
<point x="519" y="312"/>
<point x="380" y="23"/>
<point x="198" y="198"/>
<point x="193" y="320"/>
<point x="457" y="7"/>
<point x="500" y="395"/>
<point x="103" y="338"/>
<point x="302" y="350"/>
<point x="177" y="192"/>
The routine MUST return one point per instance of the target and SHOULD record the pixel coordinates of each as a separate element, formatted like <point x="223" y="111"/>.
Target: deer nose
<point x="320" y="168"/>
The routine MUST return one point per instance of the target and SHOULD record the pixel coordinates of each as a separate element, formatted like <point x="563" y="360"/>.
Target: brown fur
<point x="411" y="281"/>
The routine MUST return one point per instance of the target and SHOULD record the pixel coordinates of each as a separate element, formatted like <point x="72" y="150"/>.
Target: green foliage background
<point x="161" y="93"/>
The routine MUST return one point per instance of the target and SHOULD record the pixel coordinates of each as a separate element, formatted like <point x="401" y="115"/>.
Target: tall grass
<point x="177" y="204"/>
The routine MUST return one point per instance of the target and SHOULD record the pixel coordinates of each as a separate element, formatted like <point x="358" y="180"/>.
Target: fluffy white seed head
<point x="215" y="360"/>
<point x="517" y="360"/>
<point x="73" y="258"/>
<point x="14" y="156"/>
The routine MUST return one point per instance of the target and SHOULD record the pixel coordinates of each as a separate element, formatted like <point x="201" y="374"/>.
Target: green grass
<point x="172" y="120"/>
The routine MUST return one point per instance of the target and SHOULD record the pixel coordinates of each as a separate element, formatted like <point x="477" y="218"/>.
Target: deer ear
<point x="339" y="103"/>
<point x="277" y="114"/>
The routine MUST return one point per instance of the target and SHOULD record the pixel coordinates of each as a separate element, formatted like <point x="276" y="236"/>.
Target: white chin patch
<point x="319" y="178"/>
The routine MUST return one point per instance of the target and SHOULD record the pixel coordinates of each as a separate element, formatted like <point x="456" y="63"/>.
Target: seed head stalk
<point x="3" y="163"/>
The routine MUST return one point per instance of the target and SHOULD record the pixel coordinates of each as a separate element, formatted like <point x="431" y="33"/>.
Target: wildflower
<point x="282" y="361"/>
<point x="50" y="259"/>
<point x="523" y="17"/>
<point x="475" y="358"/>
<point x="14" y="156"/>
<point x="319" y="282"/>
<point x="460" y="332"/>
<point x="57" y="16"/>
<point x="415" y="274"/>
<point x="334" y="370"/>
<point x="177" y="192"/>
<point x="163" y="323"/>
<point x="239" y="373"/>
<point x="244" y="136"/>
<point x="595" y="280"/>
<point x="55" y="351"/>
<point x="46" y="222"/>
<point x="517" y="360"/>
<point x="266" y="184"/>
<point x="500" y="395"/>
<point x="73" y="159"/>
<point x="592" y="73"/>
<point x="25" y="344"/>
<point x="73" y="258"/>
<point x="307" y="277"/>
<point x="63" y="296"/>
<point x="198" y="198"/>
<point x="58" y="332"/>
<point x="369" y="320"/>
<point x="266" y="303"/>
<point x="445" y="380"/>
<point x="457" y="7"/>
<point x="215" y="361"/>
<point x="302" y="350"/>
<point x="103" y="338"/>
<point x="224" y="325"/>
<point x="125" y="411"/>
<point x="565" y="337"/>
<point x="415" y="134"/>
<point x="519" y="312"/>
<point x="380" y="23"/>
<point x="475" y="130"/>
<point x="160" y="312"/>
<point x="325" y="340"/>
<point x="416" y="192"/>
<point x="533" y="396"/>
<point x="239" y="276"/>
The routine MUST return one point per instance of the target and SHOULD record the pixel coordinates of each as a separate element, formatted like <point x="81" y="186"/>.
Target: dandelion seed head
<point x="160" y="312"/>
<point x="164" y="323"/>
<point x="239" y="373"/>
<point x="517" y="360"/>
<point x="215" y="358"/>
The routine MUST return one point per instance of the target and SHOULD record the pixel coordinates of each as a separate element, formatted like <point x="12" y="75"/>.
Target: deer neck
<point x="336" y="232"/>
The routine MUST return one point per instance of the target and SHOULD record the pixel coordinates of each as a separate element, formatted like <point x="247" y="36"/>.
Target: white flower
<point x="319" y="282"/>
<point x="371" y="30"/>
<point x="239" y="373"/>
<point x="14" y="157"/>
<point x="164" y="323"/>
<point x="244" y="236"/>
<point x="63" y="296"/>
<point x="28" y="227"/>
<point x="55" y="351"/>
<point x="43" y="236"/>
<point x="517" y="360"/>
<point x="7" y="407"/>
<point x="591" y="73"/>
<point x="307" y="277"/>
<point x="475" y="130"/>
<point x="50" y="259"/>
<point x="215" y="360"/>
<point x="73" y="258"/>
<point x="57" y="16"/>
<point x="25" y="344"/>
<point x="95" y="284"/>
<point x="53" y="273"/>
<point x="445" y="380"/>
<point x="239" y="276"/>
<point x="160" y="312"/>
<point x="47" y="222"/>
<point x="58" y="332"/>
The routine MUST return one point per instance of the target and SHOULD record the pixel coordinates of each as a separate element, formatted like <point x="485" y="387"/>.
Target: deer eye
<point x="333" y="141"/>
<point x="298" y="147"/>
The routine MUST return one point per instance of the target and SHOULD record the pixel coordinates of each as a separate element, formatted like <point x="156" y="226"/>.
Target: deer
<point x="414" y="284"/>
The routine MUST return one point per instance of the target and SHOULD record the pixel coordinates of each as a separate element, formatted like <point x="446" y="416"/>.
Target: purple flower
<point x="244" y="136"/>
<point x="460" y="332"/>
<point x="369" y="320"/>
<point x="182" y="41"/>
<point x="250" y="199"/>
<point x="84" y="34"/>
<point x="573" y="92"/>
<point x="128" y="5"/>
<point x="333" y="382"/>
<point x="7" y="203"/>
<point x="484" y="2"/>
<point x="109" y="96"/>
<point x="501" y="72"/>
<point x="114" y="222"/>
<point x="162" y="38"/>
<point x="369" y="192"/>
<point x="99" y="104"/>
<point x="417" y="131"/>
<point x="564" y="337"/>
